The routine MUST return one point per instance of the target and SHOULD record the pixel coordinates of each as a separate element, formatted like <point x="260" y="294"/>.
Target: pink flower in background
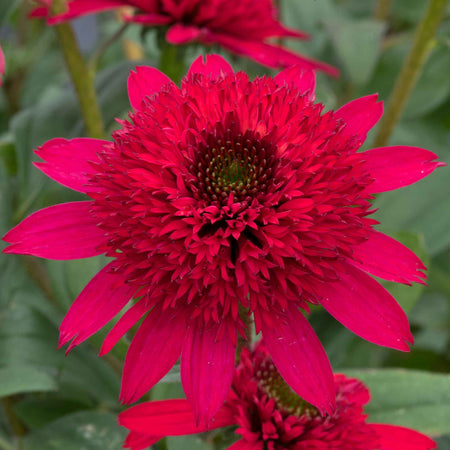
<point x="271" y="416"/>
<point x="221" y="196"/>
<point x="241" y="26"/>
<point x="2" y="64"/>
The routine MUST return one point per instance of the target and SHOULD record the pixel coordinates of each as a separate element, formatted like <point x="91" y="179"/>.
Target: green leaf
<point x="39" y="411"/>
<point x="187" y="442"/>
<point x="78" y="431"/>
<point x="414" y="399"/>
<point x="431" y="314"/>
<point x="357" y="44"/>
<point x="20" y="379"/>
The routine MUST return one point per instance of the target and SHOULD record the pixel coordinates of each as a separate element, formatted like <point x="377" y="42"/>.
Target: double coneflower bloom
<point x="269" y="415"/>
<point x="222" y="198"/>
<point x="241" y="26"/>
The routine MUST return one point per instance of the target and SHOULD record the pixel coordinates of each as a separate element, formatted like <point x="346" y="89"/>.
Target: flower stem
<point x="412" y="68"/>
<point x="383" y="10"/>
<point x="172" y="61"/>
<point x="82" y="77"/>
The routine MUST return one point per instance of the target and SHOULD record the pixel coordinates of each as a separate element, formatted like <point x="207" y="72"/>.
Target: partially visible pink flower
<point x="2" y="64"/>
<point x="241" y="26"/>
<point x="224" y="195"/>
<point x="269" y="415"/>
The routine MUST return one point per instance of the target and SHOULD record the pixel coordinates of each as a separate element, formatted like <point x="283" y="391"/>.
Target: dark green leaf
<point x="20" y="379"/>
<point x="415" y="399"/>
<point x="78" y="431"/>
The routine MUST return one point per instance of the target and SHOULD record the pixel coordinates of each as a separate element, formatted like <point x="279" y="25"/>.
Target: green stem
<point x="93" y="62"/>
<point x="383" y="9"/>
<point x="172" y="61"/>
<point x="82" y="77"/>
<point x="412" y="68"/>
<point x="16" y="425"/>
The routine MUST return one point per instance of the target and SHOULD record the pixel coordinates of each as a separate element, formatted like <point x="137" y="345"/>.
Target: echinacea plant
<point x="269" y="415"/>
<point x="241" y="26"/>
<point x="222" y="198"/>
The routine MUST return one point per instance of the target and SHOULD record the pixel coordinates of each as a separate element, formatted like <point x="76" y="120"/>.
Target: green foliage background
<point x="71" y="402"/>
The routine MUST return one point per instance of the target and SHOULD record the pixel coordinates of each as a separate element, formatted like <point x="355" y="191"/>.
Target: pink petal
<point x="207" y="367"/>
<point x="399" y="166"/>
<point x="102" y="298"/>
<point x="363" y="306"/>
<point x="245" y="445"/>
<point x="123" y="325"/>
<point x="386" y="258"/>
<point x="149" y="19"/>
<point x="211" y="65"/>
<point x="360" y="116"/>
<point x="2" y="64"/>
<point x="181" y="34"/>
<point x="65" y="231"/>
<point x="303" y="80"/>
<point x="393" y="437"/>
<point x="78" y="8"/>
<point x="301" y="359"/>
<point x="169" y="418"/>
<point x="153" y="351"/>
<point x="67" y="161"/>
<point x="144" y="82"/>
<point x="140" y="441"/>
<point x="266" y="54"/>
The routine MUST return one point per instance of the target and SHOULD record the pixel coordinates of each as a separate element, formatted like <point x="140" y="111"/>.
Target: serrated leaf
<point x="20" y="379"/>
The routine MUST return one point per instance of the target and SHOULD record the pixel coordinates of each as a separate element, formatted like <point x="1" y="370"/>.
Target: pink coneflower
<point x="271" y="416"/>
<point x="222" y="196"/>
<point x="241" y="26"/>
<point x="2" y="64"/>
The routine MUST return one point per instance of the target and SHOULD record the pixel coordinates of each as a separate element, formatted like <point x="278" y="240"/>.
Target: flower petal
<point x="78" y="8"/>
<point x="207" y="366"/>
<point x="398" y="166"/>
<point x="363" y="306"/>
<point x="211" y="65"/>
<point x="153" y="351"/>
<point x="386" y="258"/>
<point x="304" y="80"/>
<point x="140" y="441"/>
<point x="169" y="418"/>
<point x="144" y="82"/>
<point x="67" y="161"/>
<point x="245" y="445"/>
<point x="266" y="54"/>
<point x="360" y="116"/>
<point x="2" y="64"/>
<point x="181" y="34"/>
<point x="300" y="358"/>
<point x="65" y="231"/>
<point x="393" y="437"/>
<point x="153" y="19"/>
<point x="123" y="325"/>
<point x="102" y="298"/>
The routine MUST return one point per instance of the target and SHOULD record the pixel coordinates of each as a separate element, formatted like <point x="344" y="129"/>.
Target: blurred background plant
<point x="50" y="401"/>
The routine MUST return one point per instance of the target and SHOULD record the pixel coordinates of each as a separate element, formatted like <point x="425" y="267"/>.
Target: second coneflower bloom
<point x="245" y="27"/>
<point x="221" y="196"/>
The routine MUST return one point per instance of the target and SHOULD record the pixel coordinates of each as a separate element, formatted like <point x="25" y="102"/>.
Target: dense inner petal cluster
<point x="231" y="191"/>
<point x="229" y="162"/>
